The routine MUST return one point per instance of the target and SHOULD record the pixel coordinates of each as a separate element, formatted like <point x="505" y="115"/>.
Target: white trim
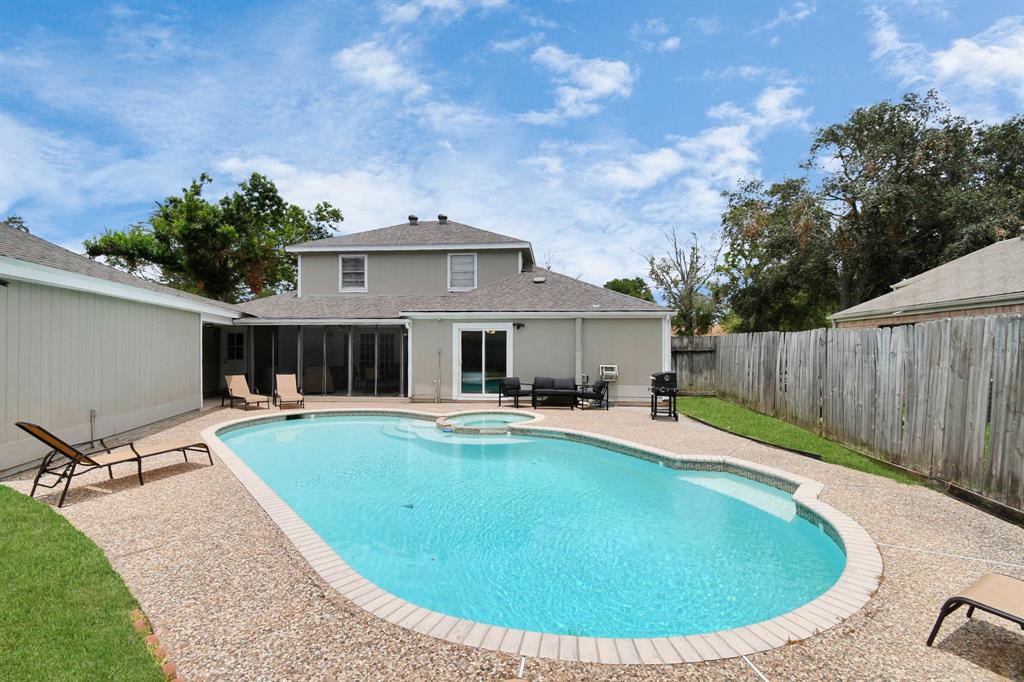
<point x="457" y="330"/>
<point x="216" y="319"/>
<point x="536" y="315"/>
<point x="408" y="359"/>
<point x="341" y="274"/>
<point x="362" y="248"/>
<point x="26" y="271"/>
<point x="201" y="374"/>
<point x="1011" y="298"/>
<point x="666" y="344"/>
<point x="329" y="321"/>
<point x="519" y="260"/>
<point x="448" y="271"/>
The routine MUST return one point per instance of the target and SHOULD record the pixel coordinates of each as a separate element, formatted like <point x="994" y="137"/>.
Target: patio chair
<point x="80" y="461"/>
<point x="238" y="392"/>
<point x="511" y="387"/>
<point x="552" y="389"/>
<point x="288" y="392"/>
<point x="993" y="593"/>
<point x="598" y="391"/>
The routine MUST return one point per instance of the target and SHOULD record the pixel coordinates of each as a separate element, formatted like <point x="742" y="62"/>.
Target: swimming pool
<point x="487" y="420"/>
<point x="542" y="534"/>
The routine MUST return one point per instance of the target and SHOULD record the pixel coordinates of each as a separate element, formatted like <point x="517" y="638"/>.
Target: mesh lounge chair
<point x="288" y="392"/>
<point x="79" y="461"/>
<point x="511" y="387"/>
<point x="598" y="391"/>
<point x="238" y="392"/>
<point x="994" y="593"/>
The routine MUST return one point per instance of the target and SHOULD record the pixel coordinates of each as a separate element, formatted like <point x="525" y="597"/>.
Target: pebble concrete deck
<point x="233" y="598"/>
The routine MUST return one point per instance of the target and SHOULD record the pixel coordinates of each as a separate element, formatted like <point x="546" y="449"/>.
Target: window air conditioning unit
<point x="608" y="372"/>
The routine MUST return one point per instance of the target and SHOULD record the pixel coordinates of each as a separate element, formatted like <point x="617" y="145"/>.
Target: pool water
<point x="542" y="534"/>
<point x="487" y="420"/>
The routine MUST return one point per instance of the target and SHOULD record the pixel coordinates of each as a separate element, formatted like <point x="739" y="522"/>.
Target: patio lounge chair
<point x="511" y="387"/>
<point x="598" y="391"/>
<point x="288" y="392"/>
<point x="80" y="461"/>
<point x="238" y="392"/>
<point x="994" y="593"/>
<point x="551" y="389"/>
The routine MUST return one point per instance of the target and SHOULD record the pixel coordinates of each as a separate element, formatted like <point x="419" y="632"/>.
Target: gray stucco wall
<point x="547" y="347"/>
<point x="65" y="352"/>
<point x="397" y="273"/>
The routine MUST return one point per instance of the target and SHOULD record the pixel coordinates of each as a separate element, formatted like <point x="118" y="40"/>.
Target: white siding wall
<point x="64" y="352"/>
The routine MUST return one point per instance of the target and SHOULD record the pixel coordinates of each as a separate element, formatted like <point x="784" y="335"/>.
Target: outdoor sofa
<point x="287" y="391"/>
<point x="65" y="460"/>
<point x="238" y="392"/>
<point x="554" y="390"/>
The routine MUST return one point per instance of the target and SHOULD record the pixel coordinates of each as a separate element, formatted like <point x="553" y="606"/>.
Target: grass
<point x="64" y="613"/>
<point x="746" y="422"/>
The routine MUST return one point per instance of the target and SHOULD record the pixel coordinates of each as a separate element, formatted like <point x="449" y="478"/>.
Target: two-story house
<point x="439" y="310"/>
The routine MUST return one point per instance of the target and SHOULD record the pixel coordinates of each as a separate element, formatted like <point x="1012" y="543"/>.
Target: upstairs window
<point x="461" y="271"/>
<point x="353" y="273"/>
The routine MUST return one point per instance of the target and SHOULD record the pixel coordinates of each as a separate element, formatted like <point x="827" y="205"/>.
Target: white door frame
<point x="457" y="329"/>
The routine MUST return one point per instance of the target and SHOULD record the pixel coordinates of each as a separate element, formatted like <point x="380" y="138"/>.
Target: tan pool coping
<point x="854" y="588"/>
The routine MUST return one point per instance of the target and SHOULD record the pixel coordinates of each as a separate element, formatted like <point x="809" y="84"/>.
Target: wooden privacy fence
<point x="943" y="398"/>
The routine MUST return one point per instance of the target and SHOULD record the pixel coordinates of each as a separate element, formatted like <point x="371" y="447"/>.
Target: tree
<point x="631" y="286"/>
<point x="780" y="270"/>
<point x="682" y="276"/>
<point x="229" y="250"/>
<point x="15" y="222"/>
<point x="896" y="189"/>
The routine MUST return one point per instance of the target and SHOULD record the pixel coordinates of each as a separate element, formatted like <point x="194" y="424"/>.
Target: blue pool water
<point x="488" y="420"/>
<point x="542" y="534"/>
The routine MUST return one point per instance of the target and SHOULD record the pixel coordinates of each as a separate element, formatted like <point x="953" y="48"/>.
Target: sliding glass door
<point x="482" y="355"/>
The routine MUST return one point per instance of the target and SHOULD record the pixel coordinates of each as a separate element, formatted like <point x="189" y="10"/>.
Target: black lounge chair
<point x="598" y="391"/>
<point x="75" y="460"/>
<point x="511" y="387"/>
<point x="555" y="390"/>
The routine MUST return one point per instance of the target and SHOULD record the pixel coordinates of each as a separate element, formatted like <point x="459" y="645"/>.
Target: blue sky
<point x="587" y="128"/>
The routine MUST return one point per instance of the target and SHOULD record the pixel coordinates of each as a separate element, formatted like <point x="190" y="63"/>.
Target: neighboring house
<point x="86" y="349"/>
<point x="441" y="310"/>
<point x="989" y="281"/>
<point x="427" y="310"/>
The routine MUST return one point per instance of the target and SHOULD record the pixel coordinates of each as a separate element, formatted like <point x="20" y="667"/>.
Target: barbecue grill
<point x="663" y="395"/>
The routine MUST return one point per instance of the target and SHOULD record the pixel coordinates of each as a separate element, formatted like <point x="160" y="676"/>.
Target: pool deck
<point x="231" y="597"/>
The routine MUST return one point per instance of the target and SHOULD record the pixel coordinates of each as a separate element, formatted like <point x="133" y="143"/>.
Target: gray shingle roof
<point x="518" y="293"/>
<point x="342" y="306"/>
<point x="994" y="271"/>
<point x="422" y="234"/>
<point x="33" y="249"/>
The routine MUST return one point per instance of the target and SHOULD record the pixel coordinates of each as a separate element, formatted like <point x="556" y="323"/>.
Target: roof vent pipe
<point x="442" y="218"/>
<point x="413" y="219"/>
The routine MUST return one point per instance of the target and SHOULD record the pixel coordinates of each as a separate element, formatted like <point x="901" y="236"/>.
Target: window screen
<point x="461" y="271"/>
<point x="353" y="273"/>
<point x="236" y="346"/>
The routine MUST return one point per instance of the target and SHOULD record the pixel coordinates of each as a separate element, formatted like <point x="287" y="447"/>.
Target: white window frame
<point x="457" y="329"/>
<point x="341" y="274"/>
<point x="449" y="271"/>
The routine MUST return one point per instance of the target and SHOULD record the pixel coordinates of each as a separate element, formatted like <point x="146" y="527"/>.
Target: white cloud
<point x="517" y="44"/>
<point x="749" y="72"/>
<point x="773" y="107"/>
<point x="653" y="34"/>
<point x="971" y="72"/>
<point x="433" y="10"/>
<point x="641" y="170"/>
<point x="584" y="83"/>
<point x="380" y="68"/>
<point x="794" y="14"/>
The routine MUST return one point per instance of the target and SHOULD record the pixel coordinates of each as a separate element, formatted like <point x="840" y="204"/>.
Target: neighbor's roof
<point x="993" y="275"/>
<point x="515" y="294"/>
<point x="32" y="249"/>
<point x="424" y="233"/>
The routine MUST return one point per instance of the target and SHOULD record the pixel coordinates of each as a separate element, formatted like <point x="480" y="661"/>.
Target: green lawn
<point x="64" y="613"/>
<point x="745" y="422"/>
